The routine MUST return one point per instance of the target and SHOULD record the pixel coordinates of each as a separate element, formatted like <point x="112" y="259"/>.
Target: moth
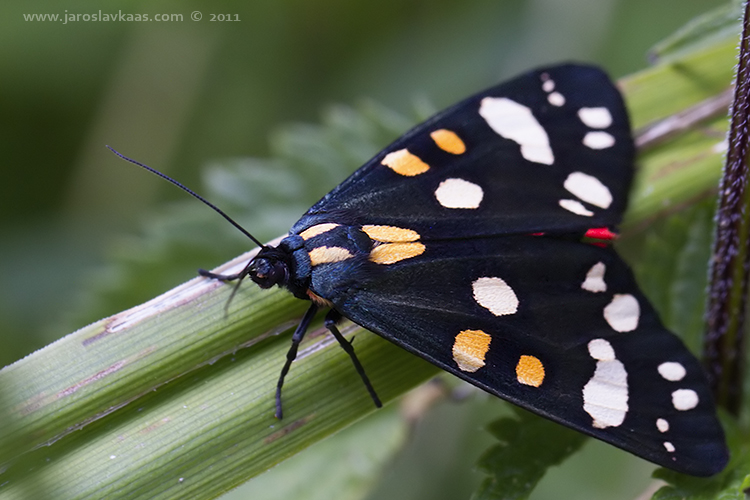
<point x="479" y="242"/>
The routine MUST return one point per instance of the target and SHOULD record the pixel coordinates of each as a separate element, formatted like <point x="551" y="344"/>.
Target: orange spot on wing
<point x="325" y="255"/>
<point x="390" y="253"/>
<point x="530" y="371"/>
<point x="390" y="234"/>
<point x="317" y="229"/>
<point x="448" y="141"/>
<point x="404" y="163"/>
<point x="470" y="348"/>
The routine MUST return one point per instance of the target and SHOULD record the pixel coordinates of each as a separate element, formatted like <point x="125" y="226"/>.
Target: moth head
<point x="269" y="268"/>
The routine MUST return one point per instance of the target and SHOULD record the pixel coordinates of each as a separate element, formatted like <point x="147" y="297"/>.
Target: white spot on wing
<point x="672" y="371"/>
<point x="556" y="99"/>
<point x="459" y="193"/>
<point x="516" y="122"/>
<point x="595" y="117"/>
<point x="605" y="396"/>
<point x="684" y="399"/>
<point x="623" y="313"/>
<point x="669" y="446"/>
<point x="594" y="281"/>
<point x="662" y="425"/>
<point x="576" y="207"/>
<point x="495" y="295"/>
<point x="589" y="189"/>
<point x="601" y="349"/>
<point x="598" y="140"/>
<point x="548" y="85"/>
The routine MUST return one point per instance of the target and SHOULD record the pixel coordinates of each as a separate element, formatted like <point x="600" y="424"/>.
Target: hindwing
<point x="558" y="327"/>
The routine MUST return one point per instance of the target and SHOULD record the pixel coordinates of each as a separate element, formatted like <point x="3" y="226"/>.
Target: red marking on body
<point x="600" y="233"/>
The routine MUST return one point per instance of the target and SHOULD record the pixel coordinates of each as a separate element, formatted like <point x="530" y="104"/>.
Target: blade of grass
<point x="178" y="434"/>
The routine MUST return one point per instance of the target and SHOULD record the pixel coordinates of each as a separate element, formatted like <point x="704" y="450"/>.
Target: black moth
<point x="475" y="241"/>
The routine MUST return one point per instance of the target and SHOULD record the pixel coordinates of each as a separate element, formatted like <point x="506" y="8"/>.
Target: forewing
<point x="558" y="327"/>
<point x="549" y="151"/>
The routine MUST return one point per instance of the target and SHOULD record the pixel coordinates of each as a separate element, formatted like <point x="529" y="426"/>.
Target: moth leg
<point x="220" y="277"/>
<point x="228" y="277"/>
<point x="332" y="318"/>
<point x="291" y="354"/>
<point x="225" y="277"/>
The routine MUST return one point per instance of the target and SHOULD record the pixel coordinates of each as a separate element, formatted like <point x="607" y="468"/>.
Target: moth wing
<point x="557" y="327"/>
<point x="549" y="151"/>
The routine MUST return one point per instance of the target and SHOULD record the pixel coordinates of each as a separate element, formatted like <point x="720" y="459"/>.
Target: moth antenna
<point x="192" y="193"/>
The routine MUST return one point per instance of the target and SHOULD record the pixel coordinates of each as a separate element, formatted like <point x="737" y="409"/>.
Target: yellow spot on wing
<point x="390" y="253"/>
<point x="317" y="229"/>
<point x="469" y="349"/>
<point x="325" y="255"/>
<point x="530" y="371"/>
<point x="404" y="163"/>
<point x="448" y="141"/>
<point x="390" y="234"/>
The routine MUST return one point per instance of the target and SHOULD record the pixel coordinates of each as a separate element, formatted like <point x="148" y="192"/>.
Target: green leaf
<point x="669" y="260"/>
<point x="529" y="446"/>
<point x="688" y="285"/>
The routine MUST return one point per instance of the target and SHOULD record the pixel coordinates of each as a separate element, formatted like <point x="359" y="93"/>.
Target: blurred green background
<point x="185" y="95"/>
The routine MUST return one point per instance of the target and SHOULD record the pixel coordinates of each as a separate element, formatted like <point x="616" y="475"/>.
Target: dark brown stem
<point x="723" y="348"/>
